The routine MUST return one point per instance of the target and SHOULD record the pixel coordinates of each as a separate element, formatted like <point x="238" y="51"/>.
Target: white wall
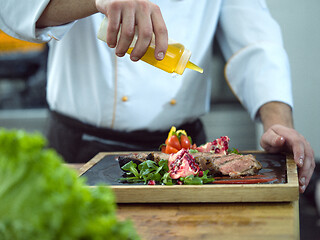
<point x="300" y="23"/>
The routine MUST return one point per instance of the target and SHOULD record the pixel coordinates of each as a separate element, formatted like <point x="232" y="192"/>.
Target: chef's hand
<point x="144" y="15"/>
<point x="279" y="138"/>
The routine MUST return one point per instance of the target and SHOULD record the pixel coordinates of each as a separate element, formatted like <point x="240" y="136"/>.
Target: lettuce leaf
<point x="41" y="198"/>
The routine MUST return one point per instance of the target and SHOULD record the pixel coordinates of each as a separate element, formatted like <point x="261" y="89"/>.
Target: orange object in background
<point x="9" y="44"/>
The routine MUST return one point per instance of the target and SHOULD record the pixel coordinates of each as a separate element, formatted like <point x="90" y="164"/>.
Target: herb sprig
<point x="233" y="150"/>
<point x="151" y="171"/>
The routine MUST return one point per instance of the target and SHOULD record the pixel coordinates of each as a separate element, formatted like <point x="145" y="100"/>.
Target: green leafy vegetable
<point x="191" y="180"/>
<point x="41" y="198"/>
<point x="197" y="180"/>
<point x="193" y="151"/>
<point x="205" y="178"/>
<point x="150" y="170"/>
<point x="131" y="167"/>
<point x="233" y="150"/>
<point x="166" y="179"/>
<point x="145" y="172"/>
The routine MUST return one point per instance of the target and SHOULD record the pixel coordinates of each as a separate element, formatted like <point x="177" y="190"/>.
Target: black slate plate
<point x="107" y="170"/>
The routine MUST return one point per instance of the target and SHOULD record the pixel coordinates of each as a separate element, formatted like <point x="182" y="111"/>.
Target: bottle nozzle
<point x="194" y="67"/>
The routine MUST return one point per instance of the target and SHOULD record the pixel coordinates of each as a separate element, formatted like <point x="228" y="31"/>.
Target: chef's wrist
<point x="273" y="113"/>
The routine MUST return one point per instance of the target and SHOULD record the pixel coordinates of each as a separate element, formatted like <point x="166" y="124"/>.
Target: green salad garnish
<point x="159" y="173"/>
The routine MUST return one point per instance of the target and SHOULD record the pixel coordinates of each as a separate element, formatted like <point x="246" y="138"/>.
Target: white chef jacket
<point x="88" y="82"/>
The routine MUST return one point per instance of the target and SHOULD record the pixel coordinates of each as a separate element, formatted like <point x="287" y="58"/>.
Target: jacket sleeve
<point x="18" y="19"/>
<point x="257" y="68"/>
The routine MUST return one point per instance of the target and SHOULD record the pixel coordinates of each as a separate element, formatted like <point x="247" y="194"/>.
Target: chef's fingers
<point x="161" y="34"/>
<point x="295" y="142"/>
<point x="127" y="31"/>
<point x="149" y="20"/>
<point x="113" y="13"/>
<point x="302" y="153"/>
<point x="271" y="141"/>
<point x="297" y="148"/>
<point x="145" y="32"/>
<point x="305" y="174"/>
<point x="306" y="171"/>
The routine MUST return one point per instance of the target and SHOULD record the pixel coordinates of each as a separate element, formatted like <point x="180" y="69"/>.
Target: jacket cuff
<point x="56" y="33"/>
<point x="260" y="73"/>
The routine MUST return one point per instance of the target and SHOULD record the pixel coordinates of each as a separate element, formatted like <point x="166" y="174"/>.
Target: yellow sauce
<point x="171" y="59"/>
<point x="194" y="67"/>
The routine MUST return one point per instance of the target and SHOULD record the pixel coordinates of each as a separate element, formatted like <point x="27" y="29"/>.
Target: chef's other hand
<point x="279" y="138"/>
<point x="144" y="15"/>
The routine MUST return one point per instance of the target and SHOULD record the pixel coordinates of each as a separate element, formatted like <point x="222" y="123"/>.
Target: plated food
<point x="181" y="162"/>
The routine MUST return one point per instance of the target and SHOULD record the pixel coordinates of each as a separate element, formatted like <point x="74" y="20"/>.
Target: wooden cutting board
<point x="104" y="169"/>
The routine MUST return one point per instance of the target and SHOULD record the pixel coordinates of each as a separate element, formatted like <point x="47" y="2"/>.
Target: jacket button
<point x="173" y="102"/>
<point x="124" y="99"/>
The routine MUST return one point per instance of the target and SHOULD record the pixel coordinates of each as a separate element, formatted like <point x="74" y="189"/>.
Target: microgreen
<point x="150" y="170"/>
<point x="233" y="150"/>
<point x="193" y="151"/>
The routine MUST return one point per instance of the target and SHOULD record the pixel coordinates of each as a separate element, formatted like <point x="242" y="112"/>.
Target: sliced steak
<point x="137" y="158"/>
<point x="206" y="161"/>
<point x="140" y="157"/>
<point x="234" y="165"/>
<point x="158" y="156"/>
<point x="245" y="165"/>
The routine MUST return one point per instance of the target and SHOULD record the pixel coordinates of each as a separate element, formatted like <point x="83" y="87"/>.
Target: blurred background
<point x="23" y="82"/>
<point x="23" y="98"/>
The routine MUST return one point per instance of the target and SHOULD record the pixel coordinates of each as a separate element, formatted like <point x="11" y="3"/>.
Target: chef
<point x="102" y="101"/>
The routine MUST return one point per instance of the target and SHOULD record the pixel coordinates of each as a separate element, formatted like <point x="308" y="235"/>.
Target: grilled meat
<point x="234" y="165"/>
<point x="141" y="157"/>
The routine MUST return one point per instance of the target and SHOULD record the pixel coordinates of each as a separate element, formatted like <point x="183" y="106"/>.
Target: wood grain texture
<point x="206" y="193"/>
<point x="249" y="221"/>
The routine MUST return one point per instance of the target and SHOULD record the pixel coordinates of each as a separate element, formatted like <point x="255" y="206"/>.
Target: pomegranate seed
<point x="152" y="182"/>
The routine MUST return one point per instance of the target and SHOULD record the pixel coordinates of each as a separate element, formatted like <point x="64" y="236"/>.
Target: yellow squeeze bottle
<point x="176" y="59"/>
